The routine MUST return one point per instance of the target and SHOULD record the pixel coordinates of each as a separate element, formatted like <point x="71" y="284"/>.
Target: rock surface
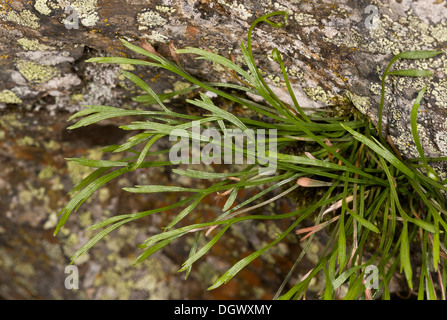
<point x="329" y="49"/>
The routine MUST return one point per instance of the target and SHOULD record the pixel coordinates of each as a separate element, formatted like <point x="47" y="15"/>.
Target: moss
<point x="37" y="73"/>
<point x="8" y="96"/>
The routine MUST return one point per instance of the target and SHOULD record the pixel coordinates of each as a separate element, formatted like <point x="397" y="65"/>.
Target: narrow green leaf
<point x="192" y="251"/>
<point x="230" y="200"/>
<point x="405" y="263"/>
<point x="139" y="215"/>
<point x="364" y="222"/>
<point x="413" y="120"/>
<point x="149" y="99"/>
<point x="188" y="263"/>
<point x="84" y="194"/>
<point x="98" y="163"/>
<point x="96" y="114"/>
<point x="185" y="212"/>
<point x="118" y="60"/>
<point x="435" y="252"/>
<point x="97" y="237"/>
<point x="218" y="59"/>
<point x="328" y="293"/>
<point x="420" y="54"/>
<point x="161" y="61"/>
<point x="143" y="85"/>
<point x="89" y="179"/>
<point x="156" y="247"/>
<point x="423" y="224"/>
<point x="207" y="104"/>
<point x="411" y="73"/>
<point x="345" y="276"/>
<point x="355" y="290"/>
<point x="209" y="175"/>
<point x="381" y="151"/>
<point x="145" y="150"/>
<point x="158" y="188"/>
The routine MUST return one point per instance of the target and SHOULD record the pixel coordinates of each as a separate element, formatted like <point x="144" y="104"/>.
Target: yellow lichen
<point x="37" y="73"/>
<point x="7" y="96"/>
<point x="25" y="18"/>
<point x="29" y="44"/>
<point x="41" y="6"/>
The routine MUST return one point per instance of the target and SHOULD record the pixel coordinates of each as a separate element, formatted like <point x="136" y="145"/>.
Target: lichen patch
<point x="25" y="18"/>
<point x="149" y="19"/>
<point x="36" y="73"/>
<point x="7" y="96"/>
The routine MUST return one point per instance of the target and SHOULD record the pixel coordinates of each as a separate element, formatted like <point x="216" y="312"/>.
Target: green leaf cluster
<point x="376" y="206"/>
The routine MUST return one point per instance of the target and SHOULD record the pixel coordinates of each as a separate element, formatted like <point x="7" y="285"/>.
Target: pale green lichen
<point x="77" y="97"/>
<point x="27" y="141"/>
<point x="7" y="96"/>
<point x="239" y="8"/>
<point x="25" y="18"/>
<point x="37" y="73"/>
<point x="149" y="19"/>
<point x="296" y="73"/>
<point x="51" y="222"/>
<point x="84" y="9"/>
<point x="439" y="92"/>
<point x="52" y="145"/>
<point x="29" y="44"/>
<point x="156" y="37"/>
<point x="85" y="219"/>
<point x="165" y="9"/>
<point x="305" y="19"/>
<point x="41" y="6"/>
<point x="87" y="11"/>
<point x="104" y="195"/>
<point x="363" y="104"/>
<point x="27" y="196"/>
<point x="11" y="120"/>
<point x="180" y="85"/>
<point x="127" y="67"/>
<point x="25" y="269"/>
<point x="318" y="94"/>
